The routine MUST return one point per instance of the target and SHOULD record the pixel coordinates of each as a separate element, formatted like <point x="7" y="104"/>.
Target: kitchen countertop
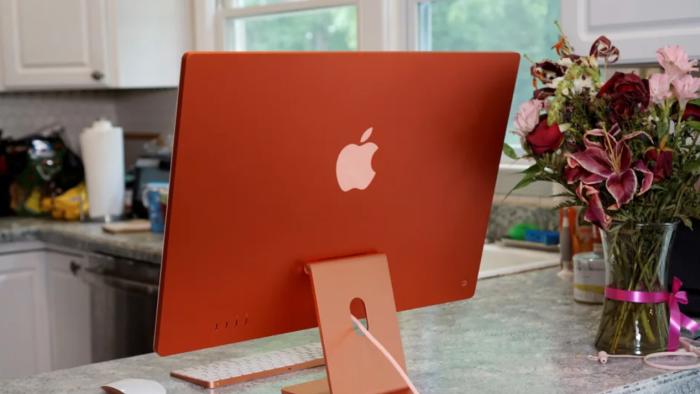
<point x="520" y="333"/>
<point x="84" y="236"/>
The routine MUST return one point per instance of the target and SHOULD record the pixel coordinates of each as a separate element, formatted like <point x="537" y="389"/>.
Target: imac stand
<point x="353" y="364"/>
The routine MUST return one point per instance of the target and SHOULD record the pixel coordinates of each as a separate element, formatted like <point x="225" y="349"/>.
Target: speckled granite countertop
<point x="521" y="333"/>
<point x="88" y="237"/>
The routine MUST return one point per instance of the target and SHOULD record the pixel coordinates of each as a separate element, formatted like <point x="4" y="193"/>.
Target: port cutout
<point x="358" y="309"/>
<point x="234" y="322"/>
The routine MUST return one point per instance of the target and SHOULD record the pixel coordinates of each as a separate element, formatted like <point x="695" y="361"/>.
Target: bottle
<point x="589" y="276"/>
<point x="565" y="262"/>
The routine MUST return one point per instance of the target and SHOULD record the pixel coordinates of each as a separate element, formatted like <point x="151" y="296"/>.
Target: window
<point x="323" y="29"/>
<point x="525" y="26"/>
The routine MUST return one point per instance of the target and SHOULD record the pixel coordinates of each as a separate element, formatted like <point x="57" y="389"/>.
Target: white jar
<point x="589" y="277"/>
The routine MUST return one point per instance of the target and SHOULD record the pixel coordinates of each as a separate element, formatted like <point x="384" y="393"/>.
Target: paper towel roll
<point x="102" y="146"/>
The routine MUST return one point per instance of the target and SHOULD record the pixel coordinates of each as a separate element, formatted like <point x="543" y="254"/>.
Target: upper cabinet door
<point x="636" y="27"/>
<point x="54" y="43"/>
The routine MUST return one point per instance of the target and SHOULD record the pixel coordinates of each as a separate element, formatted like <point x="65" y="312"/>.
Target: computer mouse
<point x="134" y="386"/>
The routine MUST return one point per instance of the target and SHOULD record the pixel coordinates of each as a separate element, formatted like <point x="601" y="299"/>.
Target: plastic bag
<point x="39" y="166"/>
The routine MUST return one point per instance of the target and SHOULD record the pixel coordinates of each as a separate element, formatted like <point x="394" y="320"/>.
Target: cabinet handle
<point x="97" y="75"/>
<point x="101" y="279"/>
<point x="74" y="267"/>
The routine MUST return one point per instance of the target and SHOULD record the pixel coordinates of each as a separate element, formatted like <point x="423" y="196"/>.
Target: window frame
<point x="411" y="19"/>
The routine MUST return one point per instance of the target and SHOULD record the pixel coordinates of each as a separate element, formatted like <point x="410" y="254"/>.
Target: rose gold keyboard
<point x="242" y="369"/>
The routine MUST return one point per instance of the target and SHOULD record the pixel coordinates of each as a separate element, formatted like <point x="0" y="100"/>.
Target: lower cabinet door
<point x="24" y="334"/>
<point x="69" y="311"/>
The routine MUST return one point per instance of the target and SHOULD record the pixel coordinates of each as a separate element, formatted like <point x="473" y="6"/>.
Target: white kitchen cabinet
<point x="69" y="311"/>
<point x="636" y="27"/>
<point x="44" y="310"/>
<point x="54" y="43"/>
<point x="61" y="44"/>
<point x="24" y="335"/>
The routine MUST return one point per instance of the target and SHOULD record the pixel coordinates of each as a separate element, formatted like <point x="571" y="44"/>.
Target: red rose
<point x="692" y="111"/>
<point x="545" y="138"/>
<point x="627" y="93"/>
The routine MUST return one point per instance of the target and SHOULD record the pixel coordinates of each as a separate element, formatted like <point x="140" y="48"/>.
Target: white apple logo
<point x="354" y="166"/>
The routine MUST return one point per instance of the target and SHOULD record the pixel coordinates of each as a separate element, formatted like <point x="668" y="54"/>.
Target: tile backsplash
<point x="25" y="112"/>
<point x="148" y="110"/>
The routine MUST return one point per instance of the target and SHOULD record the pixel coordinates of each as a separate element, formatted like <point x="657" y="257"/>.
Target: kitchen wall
<point x="25" y="112"/>
<point x="147" y="111"/>
<point x="139" y="112"/>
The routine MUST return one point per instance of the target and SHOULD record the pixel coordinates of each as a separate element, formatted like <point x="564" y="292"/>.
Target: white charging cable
<point x="386" y="354"/>
<point x="602" y="357"/>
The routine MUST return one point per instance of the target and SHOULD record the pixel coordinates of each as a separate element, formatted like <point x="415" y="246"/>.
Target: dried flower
<point x="603" y="48"/>
<point x="562" y="46"/>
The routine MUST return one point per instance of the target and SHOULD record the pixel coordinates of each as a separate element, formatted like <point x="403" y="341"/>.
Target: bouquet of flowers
<point x="626" y="150"/>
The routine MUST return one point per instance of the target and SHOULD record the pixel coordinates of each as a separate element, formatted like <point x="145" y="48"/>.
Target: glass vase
<point x="636" y="259"/>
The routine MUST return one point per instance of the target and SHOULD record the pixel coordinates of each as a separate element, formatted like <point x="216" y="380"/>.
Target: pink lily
<point x="610" y="161"/>
<point x="595" y="213"/>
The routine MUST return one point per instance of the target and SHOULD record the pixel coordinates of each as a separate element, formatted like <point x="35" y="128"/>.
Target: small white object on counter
<point x="102" y="147"/>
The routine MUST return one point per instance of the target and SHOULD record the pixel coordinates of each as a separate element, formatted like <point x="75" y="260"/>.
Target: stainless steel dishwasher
<point x="123" y="296"/>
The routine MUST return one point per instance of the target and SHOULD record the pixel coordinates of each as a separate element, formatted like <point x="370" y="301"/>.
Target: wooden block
<point x="130" y="226"/>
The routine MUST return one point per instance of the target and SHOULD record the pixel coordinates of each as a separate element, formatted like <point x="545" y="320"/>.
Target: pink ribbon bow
<point x="677" y="320"/>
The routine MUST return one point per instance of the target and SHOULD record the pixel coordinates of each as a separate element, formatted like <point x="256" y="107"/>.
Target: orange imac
<point x="303" y="181"/>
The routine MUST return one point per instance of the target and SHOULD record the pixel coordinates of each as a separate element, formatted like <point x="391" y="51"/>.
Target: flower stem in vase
<point x="636" y="260"/>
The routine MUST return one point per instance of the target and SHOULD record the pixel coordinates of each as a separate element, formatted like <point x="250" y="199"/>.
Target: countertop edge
<point x="86" y="237"/>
